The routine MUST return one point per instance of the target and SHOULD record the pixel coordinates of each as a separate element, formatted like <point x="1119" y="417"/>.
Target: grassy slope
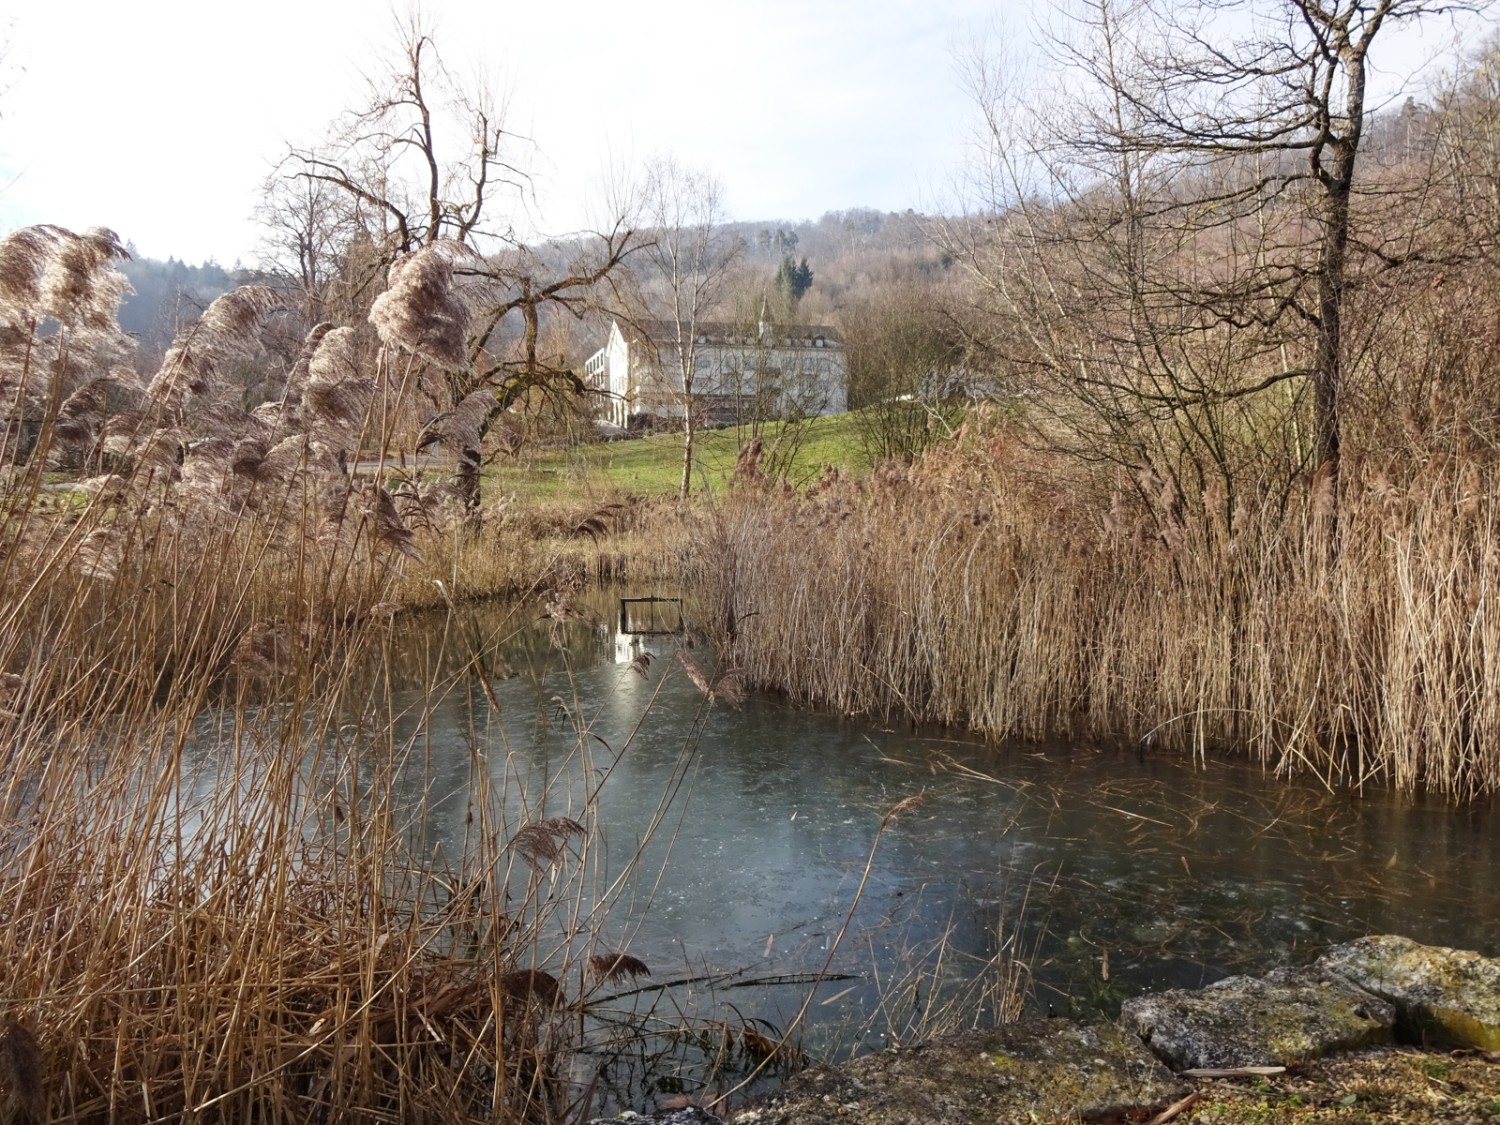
<point x="653" y="465"/>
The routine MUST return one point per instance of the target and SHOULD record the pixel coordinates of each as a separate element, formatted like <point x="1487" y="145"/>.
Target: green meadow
<point x="652" y="466"/>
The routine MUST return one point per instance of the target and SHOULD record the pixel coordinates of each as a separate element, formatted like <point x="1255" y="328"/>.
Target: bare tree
<point x="424" y="156"/>
<point x="424" y="164"/>
<point x="308" y="228"/>
<point x="1466" y="134"/>
<point x="690" y="257"/>
<point x="1177" y="246"/>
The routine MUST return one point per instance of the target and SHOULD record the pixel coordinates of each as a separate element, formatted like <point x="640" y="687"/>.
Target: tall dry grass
<point x="989" y="588"/>
<point x="214" y="903"/>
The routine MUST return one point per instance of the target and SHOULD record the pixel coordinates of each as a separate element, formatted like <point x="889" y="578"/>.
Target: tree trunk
<point x="1328" y="354"/>
<point x="687" y="448"/>
<point x="466" y="480"/>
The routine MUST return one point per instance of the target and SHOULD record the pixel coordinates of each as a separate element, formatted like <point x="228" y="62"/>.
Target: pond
<point x="745" y="850"/>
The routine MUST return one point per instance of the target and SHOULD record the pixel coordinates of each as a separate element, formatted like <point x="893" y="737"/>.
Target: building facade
<point x="739" y="374"/>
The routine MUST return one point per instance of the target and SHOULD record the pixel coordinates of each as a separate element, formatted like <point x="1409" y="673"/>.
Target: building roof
<point x="727" y="334"/>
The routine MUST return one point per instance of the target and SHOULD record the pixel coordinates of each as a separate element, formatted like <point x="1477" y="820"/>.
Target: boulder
<point x="1442" y="996"/>
<point x="689" y="1115"/>
<point x="1287" y="1016"/>
<point x="1021" y="1072"/>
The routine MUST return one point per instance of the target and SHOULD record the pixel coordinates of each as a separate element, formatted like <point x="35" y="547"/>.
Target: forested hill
<point x="168" y="294"/>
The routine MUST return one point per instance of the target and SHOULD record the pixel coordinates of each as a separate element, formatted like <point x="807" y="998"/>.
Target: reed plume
<point x="227" y="329"/>
<point x="79" y="285"/>
<point x="212" y="905"/>
<point x="464" y="426"/>
<point x="337" y="394"/>
<point x="421" y="310"/>
<point x="606" y="968"/>
<point x="296" y="380"/>
<point x="48" y="271"/>
<point x="21" y="1075"/>
<point x="544" y="843"/>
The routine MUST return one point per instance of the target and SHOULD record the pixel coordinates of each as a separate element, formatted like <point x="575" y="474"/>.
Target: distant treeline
<point x="169" y="294"/>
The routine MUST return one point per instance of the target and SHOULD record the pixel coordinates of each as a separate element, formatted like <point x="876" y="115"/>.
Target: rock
<point x="1289" y="1016"/>
<point x="1021" y="1072"/>
<point x="691" y="1115"/>
<point x="1448" y="996"/>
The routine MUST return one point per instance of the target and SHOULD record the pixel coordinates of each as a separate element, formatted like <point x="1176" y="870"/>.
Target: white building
<point x="739" y="374"/>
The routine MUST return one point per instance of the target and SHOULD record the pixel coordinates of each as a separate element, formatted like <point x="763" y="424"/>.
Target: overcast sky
<point x="160" y="118"/>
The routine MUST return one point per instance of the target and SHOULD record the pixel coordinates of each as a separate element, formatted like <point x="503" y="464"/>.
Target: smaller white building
<point x="739" y="374"/>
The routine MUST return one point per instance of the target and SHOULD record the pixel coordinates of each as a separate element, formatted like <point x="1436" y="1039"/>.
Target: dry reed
<point x="984" y="589"/>
<point x="211" y="906"/>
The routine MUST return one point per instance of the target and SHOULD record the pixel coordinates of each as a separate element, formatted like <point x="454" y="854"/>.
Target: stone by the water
<point x="689" y="1115"/>
<point x="1442" y="996"/>
<point x="1287" y="1016"/>
<point x="1049" y="1070"/>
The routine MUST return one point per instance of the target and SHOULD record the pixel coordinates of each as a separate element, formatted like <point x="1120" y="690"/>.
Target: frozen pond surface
<point x="1106" y="872"/>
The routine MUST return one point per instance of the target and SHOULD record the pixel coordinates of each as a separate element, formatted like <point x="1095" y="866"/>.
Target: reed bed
<point x="223" y="910"/>
<point x="215" y="903"/>
<point x="986" y="588"/>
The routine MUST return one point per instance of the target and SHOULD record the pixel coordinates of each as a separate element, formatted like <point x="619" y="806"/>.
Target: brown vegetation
<point x="211" y="905"/>
<point x="1241" y="489"/>
<point x="992" y="587"/>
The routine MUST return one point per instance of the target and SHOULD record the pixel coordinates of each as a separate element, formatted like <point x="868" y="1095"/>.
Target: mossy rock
<point x="1289" y="1016"/>
<point x="1442" y="996"/>
<point x="1023" y="1072"/>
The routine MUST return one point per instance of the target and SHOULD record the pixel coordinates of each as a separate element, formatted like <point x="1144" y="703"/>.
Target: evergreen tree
<point x="793" y="280"/>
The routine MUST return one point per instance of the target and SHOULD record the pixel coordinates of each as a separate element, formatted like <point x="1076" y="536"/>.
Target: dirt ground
<point x="1381" y="1086"/>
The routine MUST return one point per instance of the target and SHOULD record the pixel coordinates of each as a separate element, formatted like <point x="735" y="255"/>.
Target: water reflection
<point x="1107" y="872"/>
